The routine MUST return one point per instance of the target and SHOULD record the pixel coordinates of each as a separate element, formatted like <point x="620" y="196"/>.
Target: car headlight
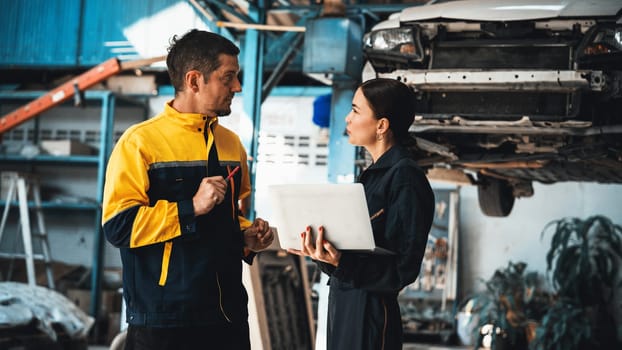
<point x="402" y="42"/>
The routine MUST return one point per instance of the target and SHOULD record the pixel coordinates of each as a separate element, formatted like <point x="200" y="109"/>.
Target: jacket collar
<point x="390" y="157"/>
<point x="191" y="121"/>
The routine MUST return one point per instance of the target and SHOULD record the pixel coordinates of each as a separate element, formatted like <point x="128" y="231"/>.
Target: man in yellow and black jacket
<point x="171" y="205"/>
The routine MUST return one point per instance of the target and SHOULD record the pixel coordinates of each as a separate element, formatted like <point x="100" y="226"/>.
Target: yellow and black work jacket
<point x="178" y="269"/>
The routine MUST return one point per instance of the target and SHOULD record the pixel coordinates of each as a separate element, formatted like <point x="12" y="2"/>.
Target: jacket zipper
<point x="384" y="329"/>
<point x="232" y="187"/>
<point x="222" y="309"/>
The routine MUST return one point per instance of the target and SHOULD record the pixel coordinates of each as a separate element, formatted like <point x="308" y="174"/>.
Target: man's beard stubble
<point x="223" y="112"/>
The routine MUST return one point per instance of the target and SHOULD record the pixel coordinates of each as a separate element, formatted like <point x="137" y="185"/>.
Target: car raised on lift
<point x="509" y="92"/>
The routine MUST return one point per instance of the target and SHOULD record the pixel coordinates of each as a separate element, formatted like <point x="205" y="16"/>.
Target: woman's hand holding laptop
<point x="320" y="249"/>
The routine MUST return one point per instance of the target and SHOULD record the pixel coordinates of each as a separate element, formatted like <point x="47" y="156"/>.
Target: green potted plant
<point x="507" y="311"/>
<point x="583" y="263"/>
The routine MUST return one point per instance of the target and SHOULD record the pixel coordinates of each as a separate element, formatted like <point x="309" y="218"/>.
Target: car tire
<point x="495" y="197"/>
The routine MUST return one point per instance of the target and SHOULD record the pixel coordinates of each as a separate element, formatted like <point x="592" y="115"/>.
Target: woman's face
<point x="361" y="124"/>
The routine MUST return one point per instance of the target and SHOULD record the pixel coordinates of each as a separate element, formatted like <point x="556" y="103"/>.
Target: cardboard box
<point x="66" y="148"/>
<point x="80" y="297"/>
<point x="131" y="84"/>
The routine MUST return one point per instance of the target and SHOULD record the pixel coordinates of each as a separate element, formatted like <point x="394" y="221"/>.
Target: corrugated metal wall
<point x="83" y="33"/>
<point x="39" y="32"/>
<point x="71" y="33"/>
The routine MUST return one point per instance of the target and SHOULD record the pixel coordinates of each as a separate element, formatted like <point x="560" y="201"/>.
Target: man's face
<point x="221" y="86"/>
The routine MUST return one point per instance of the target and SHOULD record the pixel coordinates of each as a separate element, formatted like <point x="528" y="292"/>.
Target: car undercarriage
<point x="503" y="104"/>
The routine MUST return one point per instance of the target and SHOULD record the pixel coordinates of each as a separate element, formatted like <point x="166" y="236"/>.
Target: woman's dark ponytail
<point x="394" y="100"/>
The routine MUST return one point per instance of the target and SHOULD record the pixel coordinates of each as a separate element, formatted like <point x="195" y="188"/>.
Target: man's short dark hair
<point x="196" y="50"/>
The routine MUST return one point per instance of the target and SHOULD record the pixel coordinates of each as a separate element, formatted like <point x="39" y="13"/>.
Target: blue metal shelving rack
<point x="108" y="100"/>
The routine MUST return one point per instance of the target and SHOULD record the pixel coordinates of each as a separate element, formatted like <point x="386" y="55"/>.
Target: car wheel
<point x="495" y="197"/>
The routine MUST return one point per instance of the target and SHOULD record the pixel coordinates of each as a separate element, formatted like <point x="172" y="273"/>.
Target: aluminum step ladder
<point x="19" y="187"/>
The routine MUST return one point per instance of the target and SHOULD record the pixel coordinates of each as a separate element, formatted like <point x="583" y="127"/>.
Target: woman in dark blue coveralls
<point x="363" y="311"/>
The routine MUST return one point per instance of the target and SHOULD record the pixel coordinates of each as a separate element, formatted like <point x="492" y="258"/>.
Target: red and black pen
<point x="235" y="170"/>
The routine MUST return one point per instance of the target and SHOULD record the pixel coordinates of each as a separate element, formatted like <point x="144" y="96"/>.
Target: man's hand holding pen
<point x="258" y="236"/>
<point x="211" y="192"/>
<point x="320" y="249"/>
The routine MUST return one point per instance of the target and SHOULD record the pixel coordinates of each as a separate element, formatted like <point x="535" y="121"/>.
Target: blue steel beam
<point x="281" y="67"/>
<point x="105" y="147"/>
<point x="341" y="166"/>
<point x="254" y="47"/>
<point x="286" y="39"/>
<point x="291" y="40"/>
<point x="297" y="91"/>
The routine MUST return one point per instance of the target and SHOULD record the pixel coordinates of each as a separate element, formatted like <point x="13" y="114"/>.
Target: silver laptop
<point x="340" y="208"/>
